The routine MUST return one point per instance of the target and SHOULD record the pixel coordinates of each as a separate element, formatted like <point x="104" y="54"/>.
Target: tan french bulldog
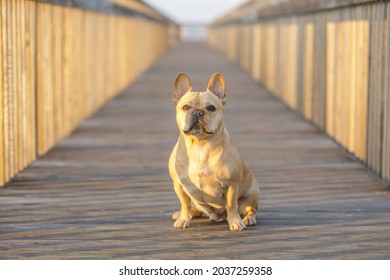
<point x="208" y="173"/>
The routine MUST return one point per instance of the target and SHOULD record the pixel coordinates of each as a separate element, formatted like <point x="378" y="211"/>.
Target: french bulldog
<point x="208" y="173"/>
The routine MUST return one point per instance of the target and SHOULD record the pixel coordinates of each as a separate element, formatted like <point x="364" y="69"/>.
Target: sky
<point x="194" y="11"/>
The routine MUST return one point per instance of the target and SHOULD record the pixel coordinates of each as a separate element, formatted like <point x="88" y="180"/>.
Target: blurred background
<point x="194" y="16"/>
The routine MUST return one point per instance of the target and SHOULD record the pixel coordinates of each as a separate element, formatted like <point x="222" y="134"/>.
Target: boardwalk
<point x="105" y="193"/>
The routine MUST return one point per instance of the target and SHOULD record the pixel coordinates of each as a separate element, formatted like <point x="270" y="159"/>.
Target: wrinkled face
<point x="199" y="114"/>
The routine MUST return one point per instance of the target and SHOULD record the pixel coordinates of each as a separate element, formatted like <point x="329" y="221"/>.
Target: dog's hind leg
<point x="250" y="216"/>
<point x="248" y="206"/>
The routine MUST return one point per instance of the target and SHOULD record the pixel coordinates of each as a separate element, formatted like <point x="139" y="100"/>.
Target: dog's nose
<point x="198" y="113"/>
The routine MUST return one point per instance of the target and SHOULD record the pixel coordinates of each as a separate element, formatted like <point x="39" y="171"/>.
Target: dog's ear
<point x="182" y="86"/>
<point x="217" y="86"/>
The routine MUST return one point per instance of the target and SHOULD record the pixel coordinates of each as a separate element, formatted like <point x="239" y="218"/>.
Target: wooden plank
<point x="293" y="65"/>
<point x="89" y="60"/>
<point x="322" y="78"/>
<point x="56" y="35"/>
<point x="249" y="49"/>
<point x="24" y="64"/>
<point x="41" y="96"/>
<point x="374" y="77"/>
<point x="8" y="131"/>
<point x="263" y="54"/>
<point x="66" y="71"/>
<point x="256" y="50"/>
<point x="2" y="93"/>
<point x="111" y="63"/>
<point x="379" y="99"/>
<point x="340" y="30"/>
<point x="364" y="84"/>
<point x="351" y="137"/>
<point x="319" y="93"/>
<point x="99" y="94"/>
<point x="300" y="64"/>
<point x="15" y="85"/>
<point x="23" y="91"/>
<point x="346" y="83"/>
<point x="31" y="114"/>
<point x="371" y="85"/>
<point x="272" y="63"/>
<point x="386" y="92"/>
<point x="376" y="91"/>
<point x="281" y="62"/>
<point x="331" y="50"/>
<point x="308" y="69"/>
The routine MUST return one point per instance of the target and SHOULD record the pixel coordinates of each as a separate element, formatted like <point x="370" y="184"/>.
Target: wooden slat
<point x="331" y="50"/>
<point x="272" y="59"/>
<point x="23" y="87"/>
<point x="376" y="90"/>
<point x="362" y="82"/>
<point x="43" y="73"/>
<point x="351" y="118"/>
<point x="7" y="98"/>
<point x="281" y="59"/>
<point x="2" y="93"/>
<point x="372" y="85"/>
<point x="293" y="64"/>
<point x="256" y="50"/>
<point x="308" y="70"/>
<point x="319" y="91"/>
<point x="345" y="93"/>
<point x="56" y="45"/>
<point x="386" y="91"/>
<point x="301" y="22"/>
<point x="29" y="114"/>
<point x="66" y="71"/>
<point x="15" y="105"/>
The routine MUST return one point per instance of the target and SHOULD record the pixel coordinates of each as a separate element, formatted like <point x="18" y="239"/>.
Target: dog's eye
<point x="186" y="107"/>
<point x="211" y="108"/>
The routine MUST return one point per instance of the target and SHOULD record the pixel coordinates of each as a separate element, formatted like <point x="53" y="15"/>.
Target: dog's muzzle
<point x="195" y="122"/>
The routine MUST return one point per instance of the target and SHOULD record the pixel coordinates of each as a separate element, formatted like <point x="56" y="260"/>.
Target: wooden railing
<point x="61" y="60"/>
<point x="327" y="60"/>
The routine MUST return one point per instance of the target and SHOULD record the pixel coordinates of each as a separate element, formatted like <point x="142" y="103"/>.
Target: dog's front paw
<point x="182" y="223"/>
<point x="236" y="225"/>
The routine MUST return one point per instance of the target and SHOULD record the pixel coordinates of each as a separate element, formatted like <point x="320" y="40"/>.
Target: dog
<point x="208" y="173"/>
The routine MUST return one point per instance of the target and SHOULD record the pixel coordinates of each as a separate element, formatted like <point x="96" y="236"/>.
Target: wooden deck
<point x="105" y="193"/>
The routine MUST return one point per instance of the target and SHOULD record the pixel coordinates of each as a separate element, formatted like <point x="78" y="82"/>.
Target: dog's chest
<point x="202" y="183"/>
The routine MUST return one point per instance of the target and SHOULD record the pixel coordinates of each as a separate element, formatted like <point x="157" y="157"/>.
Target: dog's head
<point x="199" y="114"/>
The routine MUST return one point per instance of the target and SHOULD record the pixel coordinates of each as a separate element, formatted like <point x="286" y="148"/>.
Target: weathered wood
<point x="308" y="70"/>
<point x="105" y="193"/>
<point x="2" y="159"/>
<point x="386" y="90"/>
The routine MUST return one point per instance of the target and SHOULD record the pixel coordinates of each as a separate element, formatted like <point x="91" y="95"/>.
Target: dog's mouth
<point x="197" y="127"/>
